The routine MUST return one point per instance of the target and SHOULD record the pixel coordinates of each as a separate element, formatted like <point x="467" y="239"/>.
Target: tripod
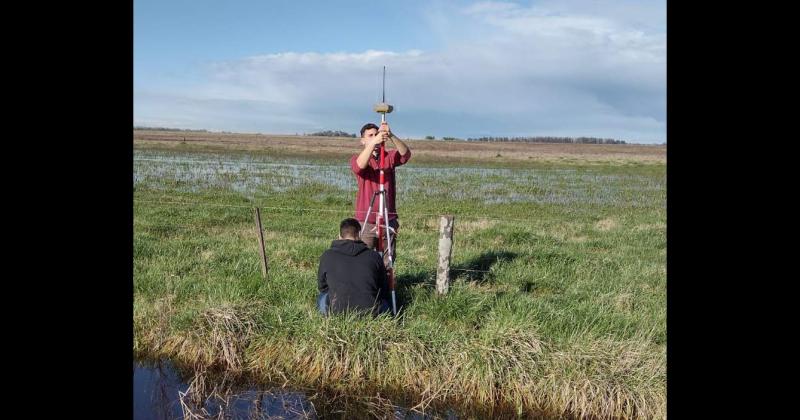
<point x="383" y="228"/>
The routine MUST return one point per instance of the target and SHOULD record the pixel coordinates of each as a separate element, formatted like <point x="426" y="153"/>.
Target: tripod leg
<point x="378" y="221"/>
<point x="394" y="301"/>
<point x="388" y="238"/>
<point x="369" y="209"/>
<point x="393" y="283"/>
<point x="390" y="255"/>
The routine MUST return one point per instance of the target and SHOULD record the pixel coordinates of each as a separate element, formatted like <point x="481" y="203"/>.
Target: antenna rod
<point x="383" y="97"/>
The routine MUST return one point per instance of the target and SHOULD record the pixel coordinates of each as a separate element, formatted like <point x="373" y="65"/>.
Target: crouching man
<point x="351" y="276"/>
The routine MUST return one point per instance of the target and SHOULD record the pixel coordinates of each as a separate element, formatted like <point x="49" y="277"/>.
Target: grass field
<point x="558" y="300"/>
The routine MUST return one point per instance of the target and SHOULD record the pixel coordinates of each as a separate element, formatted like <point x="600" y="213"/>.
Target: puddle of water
<point x="160" y="391"/>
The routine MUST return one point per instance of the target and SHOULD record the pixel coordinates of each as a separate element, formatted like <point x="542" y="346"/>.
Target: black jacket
<point x="353" y="275"/>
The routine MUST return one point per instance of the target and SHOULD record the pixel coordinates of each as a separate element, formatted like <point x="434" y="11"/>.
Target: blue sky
<point x="454" y="68"/>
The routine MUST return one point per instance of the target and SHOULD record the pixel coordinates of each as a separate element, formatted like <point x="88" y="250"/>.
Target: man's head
<point x="349" y="229"/>
<point x="368" y="131"/>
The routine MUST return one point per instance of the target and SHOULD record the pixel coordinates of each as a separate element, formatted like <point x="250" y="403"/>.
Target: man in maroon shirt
<point x="365" y="166"/>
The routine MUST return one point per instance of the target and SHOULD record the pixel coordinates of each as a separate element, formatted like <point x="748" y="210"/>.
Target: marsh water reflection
<point x="162" y="390"/>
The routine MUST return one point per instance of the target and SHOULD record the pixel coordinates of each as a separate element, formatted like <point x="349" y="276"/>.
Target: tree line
<point x="169" y="129"/>
<point x="540" y="139"/>
<point x="529" y="139"/>
<point x="329" y="133"/>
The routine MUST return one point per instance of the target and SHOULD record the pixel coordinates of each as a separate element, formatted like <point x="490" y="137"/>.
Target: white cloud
<point x="571" y="68"/>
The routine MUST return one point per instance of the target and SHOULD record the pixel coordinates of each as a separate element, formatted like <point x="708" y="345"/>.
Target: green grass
<point x="557" y="305"/>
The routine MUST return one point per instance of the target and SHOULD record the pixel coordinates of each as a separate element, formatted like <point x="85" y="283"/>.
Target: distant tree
<point x="430" y="138"/>
<point x="188" y="130"/>
<point x="329" y="133"/>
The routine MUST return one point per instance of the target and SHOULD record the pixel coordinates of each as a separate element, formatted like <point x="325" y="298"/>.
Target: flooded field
<point x="254" y="177"/>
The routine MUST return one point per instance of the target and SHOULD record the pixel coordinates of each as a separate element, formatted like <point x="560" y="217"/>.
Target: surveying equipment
<point x="382" y="215"/>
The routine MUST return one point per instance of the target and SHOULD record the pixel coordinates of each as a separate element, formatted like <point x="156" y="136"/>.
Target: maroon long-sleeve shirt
<point x="369" y="182"/>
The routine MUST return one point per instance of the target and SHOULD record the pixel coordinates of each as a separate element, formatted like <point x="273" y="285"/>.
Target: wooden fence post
<point x="261" y="247"/>
<point x="445" y="252"/>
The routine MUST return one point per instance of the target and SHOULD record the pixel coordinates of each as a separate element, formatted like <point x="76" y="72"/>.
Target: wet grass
<point x="557" y="307"/>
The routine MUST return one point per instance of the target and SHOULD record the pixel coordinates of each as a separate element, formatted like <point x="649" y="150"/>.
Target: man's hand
<point x="377" y="139"/>
<point x="398" y="144"/>
<point x="385" y="130"/>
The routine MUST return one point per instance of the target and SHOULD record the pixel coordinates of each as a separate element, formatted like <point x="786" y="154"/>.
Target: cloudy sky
<point x="453" y="68"/>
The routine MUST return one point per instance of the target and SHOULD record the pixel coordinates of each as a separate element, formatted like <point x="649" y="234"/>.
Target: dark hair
<point x="367" y="126"/>
<point x="349" y="228"/>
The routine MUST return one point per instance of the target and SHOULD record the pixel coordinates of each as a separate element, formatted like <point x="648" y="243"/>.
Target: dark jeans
<point x="323" y="302"/>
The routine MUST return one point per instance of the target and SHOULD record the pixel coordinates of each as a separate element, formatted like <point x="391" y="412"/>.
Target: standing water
<point x="162" y="391"/>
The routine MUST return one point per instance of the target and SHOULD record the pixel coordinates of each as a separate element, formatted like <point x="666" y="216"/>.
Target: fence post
<point x="445" y="252"/>
<point x="261" y="243"/>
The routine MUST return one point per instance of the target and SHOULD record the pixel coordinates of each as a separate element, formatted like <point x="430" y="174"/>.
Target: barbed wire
<point x="458" y="215"/>
<point x="466" y="269"/>
<point x="193" y="203"/>
<point x="169" y="225"/>
<point x="151" y="225"/>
